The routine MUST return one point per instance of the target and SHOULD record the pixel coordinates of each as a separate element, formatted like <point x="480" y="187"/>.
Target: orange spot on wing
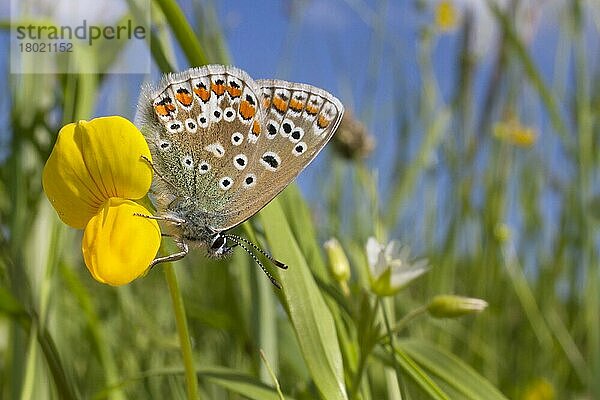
<point x="164" y="107"/>
<point x="311" y="110"/>
<point x="280" y="104"/>
<point x="161" y="110"/>
<point x="233" y="91"/>
<point x="323" y="122"/>
<point x="203" y="93"/>
<point x="256" y="128"/>
<point x="267" y="102"/>
<point x="247" y="110"/>
<point x="217" y="89"/>
<point x="184" y="97"/>
<point x="296" y="105"/>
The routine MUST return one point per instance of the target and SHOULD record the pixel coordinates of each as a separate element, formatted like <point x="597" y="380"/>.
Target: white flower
<point x="390" y="267"/>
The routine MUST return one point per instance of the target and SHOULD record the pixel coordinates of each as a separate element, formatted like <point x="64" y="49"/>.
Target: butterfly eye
<point x="218" y="242"/>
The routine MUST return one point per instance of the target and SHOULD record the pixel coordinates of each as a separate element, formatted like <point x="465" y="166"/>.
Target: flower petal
<point x="374" y="252"/>
<point x="393" y="250"/>
<point x="113" y="150"/>
<point x="93" y="161"/>
<point x="67" y="183"/>
<point x="117" y="245"/>
<point x="402" y="276"/>
<point x="372" y="248"/>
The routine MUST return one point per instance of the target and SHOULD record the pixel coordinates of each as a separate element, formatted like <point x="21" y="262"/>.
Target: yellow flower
<point x="117" y="245"/>
<point x="513" y="132"/>
<point x="92" y="175"/>
<point x="446" y="16"/>
<point x="540" y="389"/>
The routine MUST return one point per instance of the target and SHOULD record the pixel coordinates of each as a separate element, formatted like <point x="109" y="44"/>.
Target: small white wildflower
<point x="390" y="267"/>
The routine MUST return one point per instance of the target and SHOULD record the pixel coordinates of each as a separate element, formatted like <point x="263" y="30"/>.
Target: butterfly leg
<point x="173" y="220"/>
<point x="172" y="257"/>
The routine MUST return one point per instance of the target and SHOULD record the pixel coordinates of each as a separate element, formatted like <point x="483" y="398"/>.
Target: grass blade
<point x="311" y="318"/>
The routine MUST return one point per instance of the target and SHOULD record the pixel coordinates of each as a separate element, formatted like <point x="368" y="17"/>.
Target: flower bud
<point x="451" y="306"/>
<point x="502" y="232"/>
<point x="352" y="139"/>
<point x="338" y="262"/>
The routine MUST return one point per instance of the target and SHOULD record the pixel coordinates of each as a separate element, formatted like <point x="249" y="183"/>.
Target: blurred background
<point x="471" y="135"/>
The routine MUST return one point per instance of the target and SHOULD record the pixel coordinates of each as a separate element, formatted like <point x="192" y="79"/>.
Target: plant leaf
<point x="311" y="318"/>
<point x="450" y="372"/>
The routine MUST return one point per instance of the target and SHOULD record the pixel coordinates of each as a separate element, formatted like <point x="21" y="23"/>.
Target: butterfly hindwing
<point x="198" y="123"/>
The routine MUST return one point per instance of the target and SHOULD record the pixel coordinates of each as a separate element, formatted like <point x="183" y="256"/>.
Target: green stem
<point x="183" y="32"/>
<point x="364" y="352"/>
<point x="272" y="374"/>
<point x="400" y="325"/>
<point x="182" y="330"/>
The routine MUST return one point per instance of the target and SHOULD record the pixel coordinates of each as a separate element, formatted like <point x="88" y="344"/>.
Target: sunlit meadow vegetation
<point x="495" y="188"/>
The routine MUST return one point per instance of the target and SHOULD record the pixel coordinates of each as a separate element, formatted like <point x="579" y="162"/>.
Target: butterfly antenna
<point x="277" y="263"/>
<point x="256" y="260"/>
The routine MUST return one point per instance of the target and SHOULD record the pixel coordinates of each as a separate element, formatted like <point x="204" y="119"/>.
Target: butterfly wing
<point x="230" y="144"/>
<point x="199" y="124"/>
<point x="298" y="120"/>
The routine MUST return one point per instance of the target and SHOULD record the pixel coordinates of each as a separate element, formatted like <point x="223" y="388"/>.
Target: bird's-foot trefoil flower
<point x="92" y="178"/>
<point x="390" y="267"/>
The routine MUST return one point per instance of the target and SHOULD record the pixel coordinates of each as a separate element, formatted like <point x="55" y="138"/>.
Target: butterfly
<point x="223" y="146"/>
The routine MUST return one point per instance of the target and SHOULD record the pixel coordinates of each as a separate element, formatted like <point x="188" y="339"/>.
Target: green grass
<point x="62" y="335"/>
